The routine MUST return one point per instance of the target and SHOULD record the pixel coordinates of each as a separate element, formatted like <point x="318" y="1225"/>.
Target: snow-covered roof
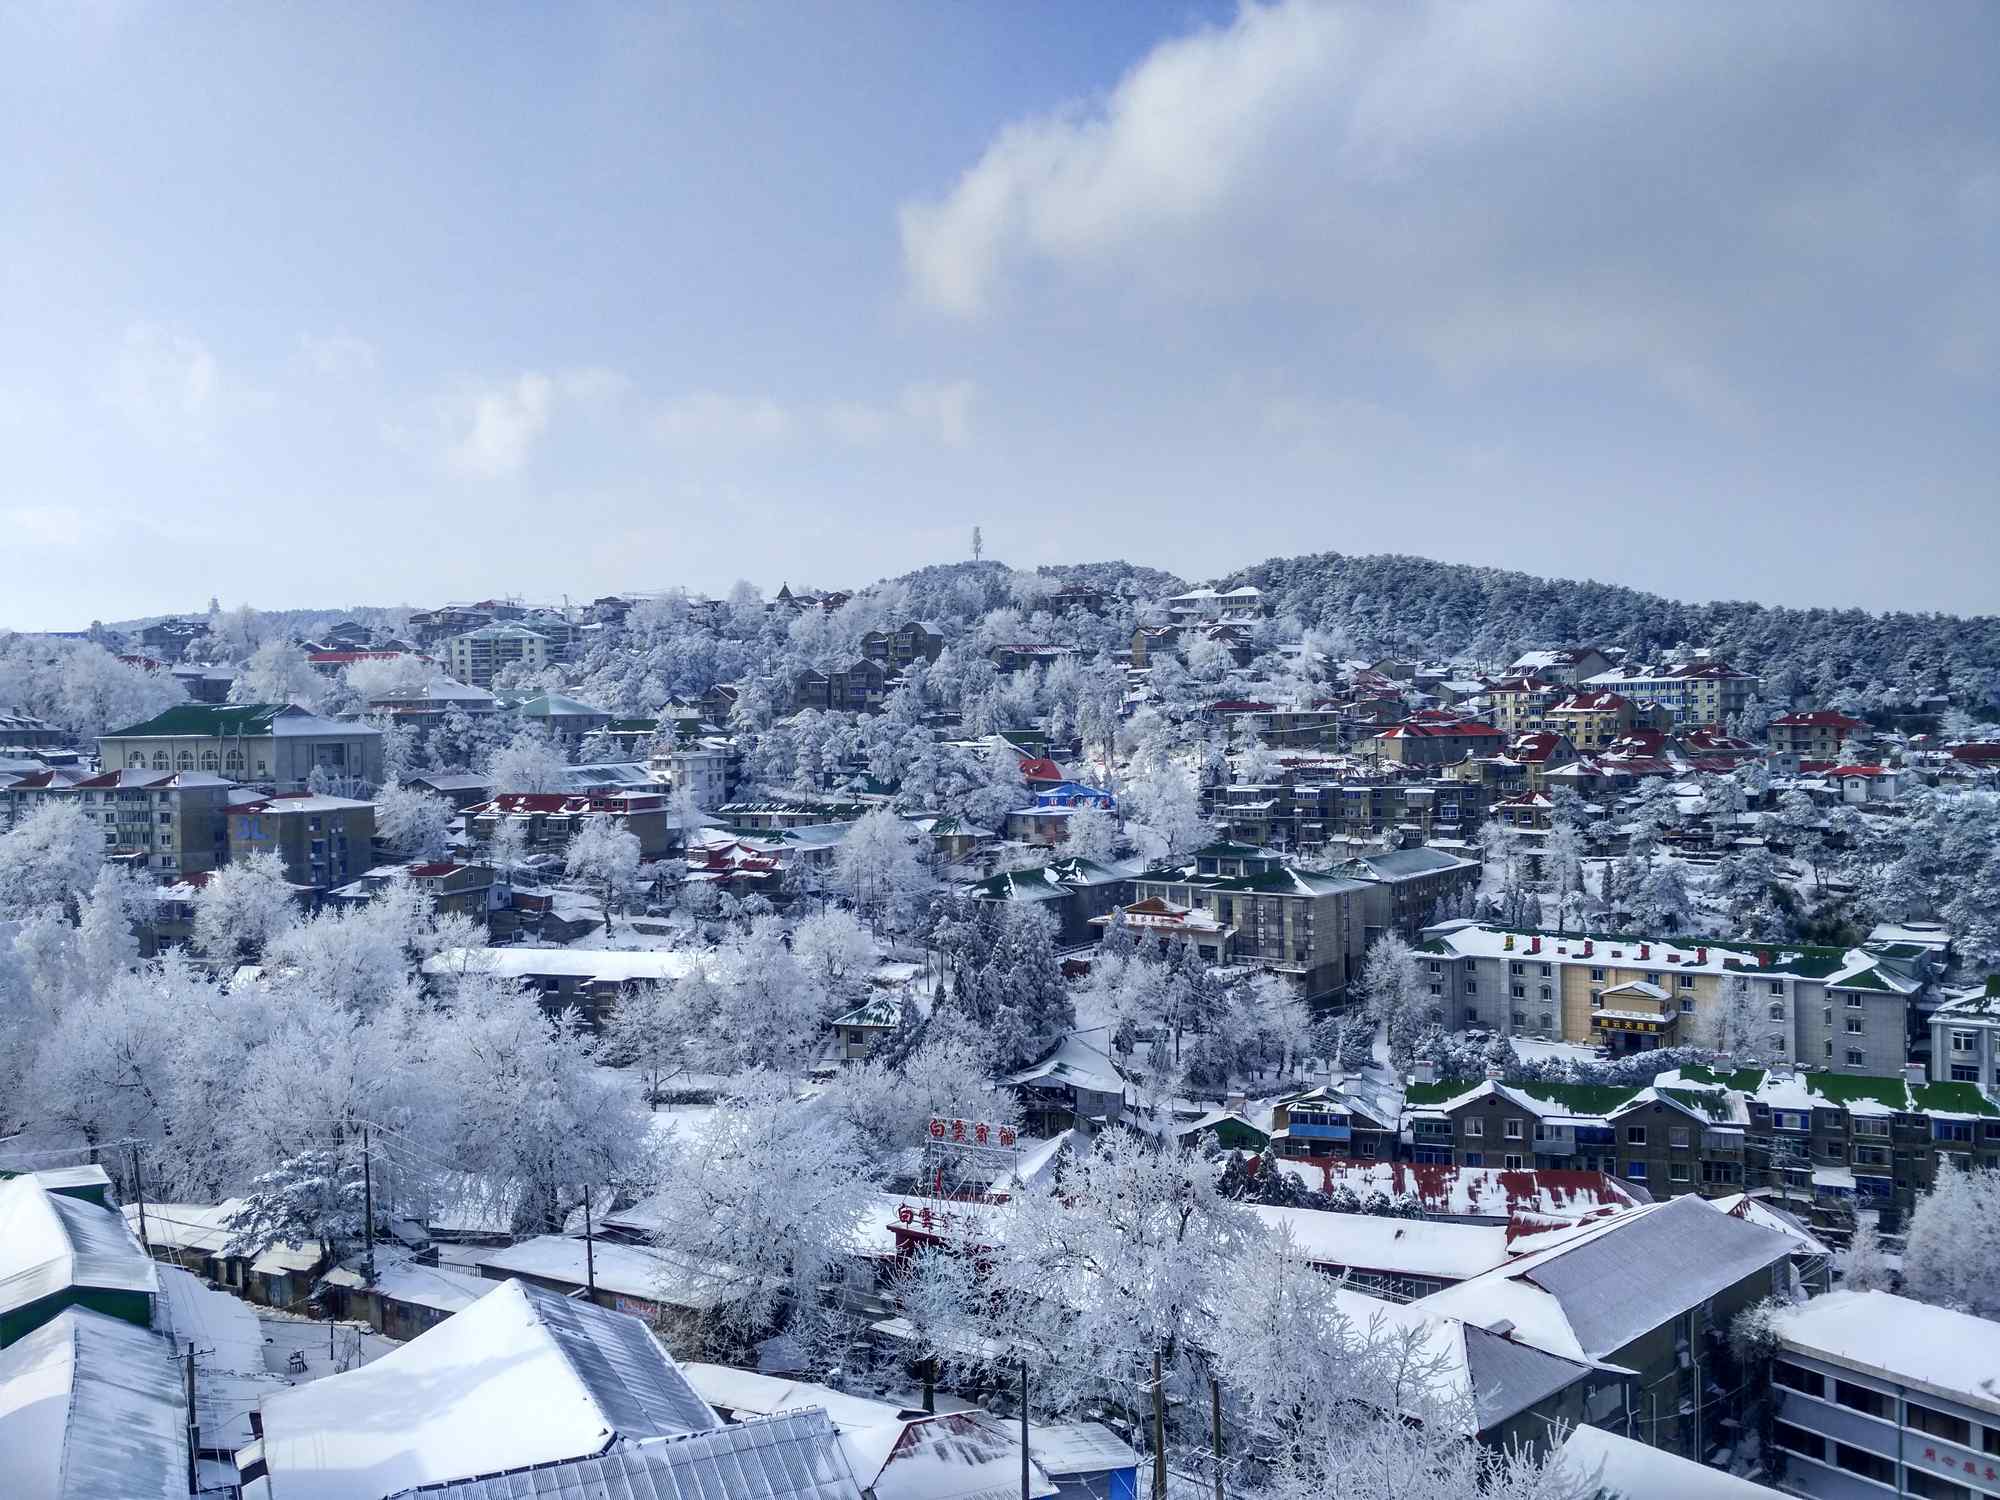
<point x="50" y="1242"/>
<point x="201" y="1228"/>
<point x="1953" y="1354"/>
<point x="1063" y="1448"/>
<point x="746" y="1393"/>
<point x="523" y="1376"/>
<point x="791" y="1457"/>
<point x="950" y="1456"/>
<point x="599" y="964"/>
<point x="400" y="1278"/>
<point x="91" y="1409"/>
<point x="628" y="1270"/>
<point x="1632" y="1470"/>
<point x="1754" y="1210"/>
<point x="1371" y="1242"/>
<point x="220" y="1325"/>
<point x="1075" y="1063"/>
<point x="1606" y="1283"/>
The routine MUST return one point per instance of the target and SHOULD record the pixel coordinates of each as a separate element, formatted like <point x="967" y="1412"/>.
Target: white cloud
<point x="337" y="353"/>
<point x="705" y="418"/>
<point x="1516" y="183"/>
<point x="166" y="383"/>
<point x="494" y="429"/>
<point x="943" y="412"/>
<point x="50" y="525"/>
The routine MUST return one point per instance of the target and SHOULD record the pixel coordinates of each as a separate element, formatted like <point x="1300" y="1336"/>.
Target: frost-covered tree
<point x="878" y="866"/>
<point x="531" y="1111"/>
<point x="1398" y="997"/>
<point x="1733" y="1021"/>
<point x="316" y="1197"/>
<point x="604" y="855"/>
<point x="1164" y="807"/>
<point x="835" y="948"/>
<point x="757" y="1204"/>
<point x="528" y="763"/>
<point x="278" y="672"/>
<point x="1952" y="1254"/>
<point x="1092" y="834"/>
<point x="1865" y="1265"/>
<point x="49" y="860"/>
<point x="413" y="823"/>
<point x="649" y="1032"/>
<point x="245" y="906"/>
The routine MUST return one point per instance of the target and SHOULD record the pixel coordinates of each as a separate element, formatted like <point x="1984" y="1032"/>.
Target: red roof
<point x="571" y="803"/>
<point x="1857" y="770"/>
<point x="1593" y="702"/>
<point x="1241" y="706"/>
<point x="1461" y="730"/>
<point x="1976" y="755"/>
<point x="1040" y="768"/>
<point x="1819" y="718"/>
<point x="347" y="658"/>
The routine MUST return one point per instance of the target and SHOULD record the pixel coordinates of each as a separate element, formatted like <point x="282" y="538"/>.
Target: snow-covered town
<point x="1244" y="750"/>
<point x="1220" y="1041"/>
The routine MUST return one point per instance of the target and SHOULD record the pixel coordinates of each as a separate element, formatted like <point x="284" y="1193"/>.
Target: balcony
<point x="1321" y="1132"/>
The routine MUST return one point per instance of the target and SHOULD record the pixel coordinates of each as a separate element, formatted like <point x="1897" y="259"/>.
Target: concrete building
<point x="1879" y="1395"/>
<point x="477" y="655"/>
<point x="1701" y="692"/>
<point x="1965" y="1039"/>
<point x="169" y="823"/>
<point x="275" y="746"/>
<point x="322" y="842"/>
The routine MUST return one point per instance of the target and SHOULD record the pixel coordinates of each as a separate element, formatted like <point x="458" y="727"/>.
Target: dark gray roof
<point x="1400" y="864"/>
<point x="1641" y="1273"/>
<point x="641" y="1392"/>
<point x="794" y="1456"/>
<point x="1508" y="1378"/>
<point x="98" y="1414"/>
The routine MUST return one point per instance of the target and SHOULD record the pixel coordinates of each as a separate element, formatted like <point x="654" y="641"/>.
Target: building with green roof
<point x="273" y="746"/>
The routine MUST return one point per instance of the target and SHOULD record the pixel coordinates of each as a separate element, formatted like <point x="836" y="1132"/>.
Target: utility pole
<point x="367" y="1208"/>
<point x="1215" y="1423"/>
<point x="1025" y="1486"/>
<point x="139" y="1192"/>
<point x="1159" y="1433"/>
<point x="194" y="1429"/>
<point x="589" y="1248"/>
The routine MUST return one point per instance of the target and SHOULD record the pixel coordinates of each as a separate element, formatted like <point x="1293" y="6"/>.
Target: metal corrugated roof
<point x="50" y="1242"/>
<point x="640" y="1391"/>
<point x="789" y="1457"/>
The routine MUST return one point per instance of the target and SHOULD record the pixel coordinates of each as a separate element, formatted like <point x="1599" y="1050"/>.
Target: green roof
<point x="1579" y="1098"/>
<point x="1701" y="1101"/>
<point x="1954" y="1099"/>
<point x="1441" y="1092"/>
<point x="206" y="721"/>
<point x="1742" y="1081"/>
<point x="543" y="705"/>
<point x="1846" y="1088"/>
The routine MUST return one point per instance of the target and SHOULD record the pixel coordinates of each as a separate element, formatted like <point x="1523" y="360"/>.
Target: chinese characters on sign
<point x="972" y="1133"/>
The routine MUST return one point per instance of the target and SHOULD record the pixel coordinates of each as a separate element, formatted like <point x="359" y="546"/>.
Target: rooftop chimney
<point x="1507" y="945"/>
<point x="1535" y="945"/>
<point x="1913" y="1075"/>
<point x="1589" y="948"/>
<point x="1645" y="952"/>
<point x="1763" y="958"/>
<point x="1701" y="955"/>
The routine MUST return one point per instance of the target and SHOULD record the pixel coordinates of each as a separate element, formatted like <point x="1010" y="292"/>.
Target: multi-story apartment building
<point x="565" y="720"/>
<point x="1311" y="928"/>
<point x="1879" y="1395"/>
<point x="1433" y="744"/>
<point x="857" y="688"/>
<point x="1707" y="693"/>
<point x="322" y="841"/>
<point x="1416" y="881"/>
<point x="275" y="746"/>
<point x="1591" y="719"/>
<point x="478" y="655"/>
<point x="168" y="822"/>
<point x="914" y="640"/>
<point x="1519" y="703"/>
<point x="1844" y="1009"/>
<point x="19" y="731"/>
<point x="1815" y="735"/>
<point x="1965" y="1039"/>
<point x="549" y="820"/>
<point x="1562" y="664"/>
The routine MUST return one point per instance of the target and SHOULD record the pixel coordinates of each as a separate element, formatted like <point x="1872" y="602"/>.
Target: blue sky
<point x="375" y="304"/>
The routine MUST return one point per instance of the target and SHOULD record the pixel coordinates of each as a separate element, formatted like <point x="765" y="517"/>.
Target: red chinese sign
<point x="972" y="1133"/>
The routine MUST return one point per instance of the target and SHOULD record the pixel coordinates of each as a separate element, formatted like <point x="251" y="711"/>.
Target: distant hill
<point x="1391" y="602"/>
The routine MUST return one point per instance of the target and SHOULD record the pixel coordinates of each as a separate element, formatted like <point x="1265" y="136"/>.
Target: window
<point x="1964" y="1041"/>
<point x="1635" y="1135"/>
<point x="1931" y="1487"/>
<point x="1475" y="1127"/>
<point x="1597" y="1000"/>
<point x="1777" y="1011"/>
<point x="1938" y="1424"/>
<point x="1520" y="1018"/>
<point x="1547" y="971"/>
<point x="1680" y="1137"/>
<point x="1517" y="969"/>
<point x="1471" y="986"/>
<point x="1856" y="1025"/>
<point x="1513" y="1130"/>
<point x="1547" y="1020"/>
<point x="1722" y="1173"/>
<point x="1854" y="1002"/>
<point x="1436" y="967"/>
<point x="1951" y="1130"/>
<point x="1475" y="1159"/>
<point x="1868" y="1465"/>
<point x="1861" y="1398"/>
<point x="1811" y="1444"/>
<point x="1597" y="976"/>
<point x="1511" y="1161"/>
<point x="1471" y="1016"/>
<point x="1687" y="1005"/>
<point x="1687" y="981"/>
<point x="1989" y="1439"/>
<point x="1678" y="1172"/>
<point x="1636" y="1170"/>
<point x="1871" y="1156"/>
<point x="1776" y="986"/>
<point x="1547" y="993"/>
<point x="1518" y="991"/>
<point x="1856" y="1057"/>
<point x="1796" y="1378"/>
<point x="1865" y="1125"/>
<point x="1965" y="1072"/>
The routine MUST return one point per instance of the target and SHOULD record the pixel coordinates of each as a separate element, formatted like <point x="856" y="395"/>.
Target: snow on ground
<point x="353" y="1344"/>
<point x="1528" y="1049"/>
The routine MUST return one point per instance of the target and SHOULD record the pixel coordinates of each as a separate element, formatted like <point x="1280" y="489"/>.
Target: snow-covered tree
<point x="1167" y="822"/>
<point x="1092" y="834"/>
<point x="758" y="1203"/>
<point x="604" y="854"/>
<point x="1733" y="1021"/>
<point x="649" y="1032"/>
<point x="831" y="945"/>
<point x="278" y="672"/>
<point x="1398" y="997"/>
<point x="245" y="906"/>
<point x="50" y="860"/>
<point x="528" y="763"/>
<point x="1865" y="1265"/>
<point x="414" y="823"/>
<point x="313" y="1198"/>
<point x="878" y="866"/>
<point x="1952" y="1254"/>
